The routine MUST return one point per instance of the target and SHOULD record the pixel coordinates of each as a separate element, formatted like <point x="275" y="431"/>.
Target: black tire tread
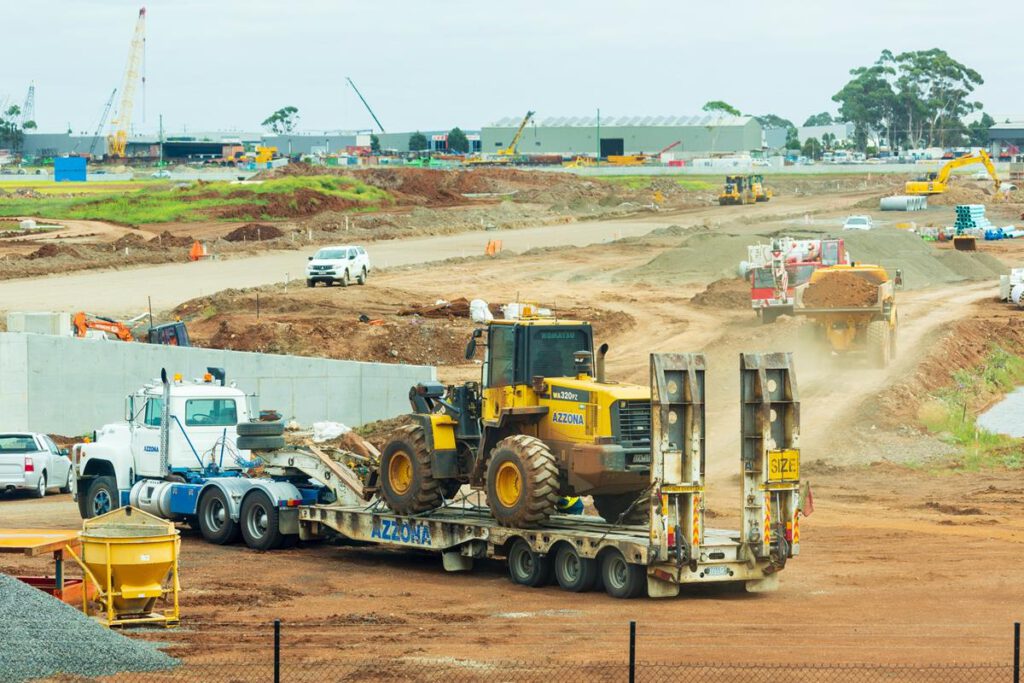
<point x="429" y="496"/>
<point x="260" y="443"/>
<point x="543" y="481"/>
<point x="260" y="428"/>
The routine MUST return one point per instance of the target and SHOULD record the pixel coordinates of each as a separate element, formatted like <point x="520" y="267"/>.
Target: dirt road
<point x="122" y="292"/>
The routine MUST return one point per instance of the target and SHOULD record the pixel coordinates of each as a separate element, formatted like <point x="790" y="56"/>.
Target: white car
<point x="341" y="264"/>
<point x="33" y="462"/>
<point x="162" y="173"/>
<point x="858" y="223"/>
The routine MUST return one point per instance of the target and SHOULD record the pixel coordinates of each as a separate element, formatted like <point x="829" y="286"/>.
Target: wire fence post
<point x="633" y="651"/>
<point x="277" y="651"/>
<point x="1016" y="652"/>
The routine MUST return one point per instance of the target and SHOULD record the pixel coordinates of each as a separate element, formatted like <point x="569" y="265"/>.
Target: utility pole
<point x="161" y="164"/>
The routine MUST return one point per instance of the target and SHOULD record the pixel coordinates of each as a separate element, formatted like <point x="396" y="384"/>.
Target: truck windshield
<point x="17" y="443"/>
<point x="211" y="412"/>
<point x="330" y="254"/>
<point x="551" y="350"/>
<point x="763" y="278"/>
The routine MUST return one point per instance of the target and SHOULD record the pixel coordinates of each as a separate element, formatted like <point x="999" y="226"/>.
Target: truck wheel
<point x="878" y="342"/>
<point x="260" y="443"/>
<point x="620" y="578"/>
<point x="66" y="488"/>
<point x="260" y="428"/>
<point x="215" y="521"/>
<point x="311" y="283"/>
<point x="344" y="281"/>
<point x="40" y="490"/>
<point x="612" y="507"/>
<point x="361" y="278"/>
<point x="522" y="481"/>
<point x="259" y="522"/>
<point x="526" y="567"/>
<point x="406" y="480"/>
<point x="574" y="572"/>
<point x="100" y="498"/>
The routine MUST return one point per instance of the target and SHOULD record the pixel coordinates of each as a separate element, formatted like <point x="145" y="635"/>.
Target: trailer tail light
<point x="789" y="531"/>
<point x="291" y="503"/>
<point x="30" y="465"/>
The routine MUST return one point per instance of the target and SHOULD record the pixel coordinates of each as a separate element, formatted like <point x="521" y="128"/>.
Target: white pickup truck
<point x="341" y="264"/>
<point x="33" y="462"/>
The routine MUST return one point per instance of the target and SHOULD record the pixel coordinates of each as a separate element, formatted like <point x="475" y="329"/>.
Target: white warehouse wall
<point x="70" y="386"/>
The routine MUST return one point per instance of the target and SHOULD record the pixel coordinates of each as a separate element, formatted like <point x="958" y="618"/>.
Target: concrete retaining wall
<point x="71" y="386"/>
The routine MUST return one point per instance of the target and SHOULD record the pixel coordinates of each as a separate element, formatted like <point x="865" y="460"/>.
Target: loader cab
<point x="519" y="350"/>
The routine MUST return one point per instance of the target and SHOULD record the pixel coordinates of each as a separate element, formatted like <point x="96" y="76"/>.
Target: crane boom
<point x="118" y="139"/>
<point x="511" y="149"/>
<point x="103" y="119"/>
<point x="365" y="103"/>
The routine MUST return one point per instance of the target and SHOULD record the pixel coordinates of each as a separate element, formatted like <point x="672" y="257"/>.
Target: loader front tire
<point x="879" y="344"/>
<point x="522" y="481"/>
<point x="406" y="481"/>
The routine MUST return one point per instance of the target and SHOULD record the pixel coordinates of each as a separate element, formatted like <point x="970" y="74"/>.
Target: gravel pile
<point x="42" y="637"/>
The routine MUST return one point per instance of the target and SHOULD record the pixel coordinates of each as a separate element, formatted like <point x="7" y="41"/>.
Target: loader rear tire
<point x="406" y="481"/>
<point x="522" y="481"/>
<point x="879" y="344"/>
<point x="612" y="506"/>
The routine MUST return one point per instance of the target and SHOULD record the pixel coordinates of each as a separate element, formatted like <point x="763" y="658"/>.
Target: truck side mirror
<point x="898" y="280"/>
<point x="309" y="258"/>
<point x="471" y="348"/>
<point x="129" y="409"/>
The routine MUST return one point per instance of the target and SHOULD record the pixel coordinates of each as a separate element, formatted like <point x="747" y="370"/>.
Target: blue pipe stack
<point x="970" y="217"/>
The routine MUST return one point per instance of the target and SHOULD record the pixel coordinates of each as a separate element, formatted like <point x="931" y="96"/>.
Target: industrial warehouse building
<point x="701" y="135"/>
<point x="1007" y="138"/>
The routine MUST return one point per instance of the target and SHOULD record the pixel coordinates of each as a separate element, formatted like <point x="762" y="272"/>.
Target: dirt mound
<point x="456" y="308"/>
<point x="133" y="240"/>
<point x="962" y="193"/>
<point x="253" y="232"/>
<point x="167" y="239"/>
<point x="52" y="251"/>
<point x="841" y="290"/>
<point x="725" y="293"/>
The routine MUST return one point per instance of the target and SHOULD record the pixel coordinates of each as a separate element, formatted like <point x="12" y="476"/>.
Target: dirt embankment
<point x="731" y="293"/>
<point x="841" y="290"/>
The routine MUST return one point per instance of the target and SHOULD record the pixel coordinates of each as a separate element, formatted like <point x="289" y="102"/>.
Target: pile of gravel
<point x="42" y="637"/>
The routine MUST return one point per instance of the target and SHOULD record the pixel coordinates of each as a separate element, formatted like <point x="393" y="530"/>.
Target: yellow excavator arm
<point x="938" y="184"/>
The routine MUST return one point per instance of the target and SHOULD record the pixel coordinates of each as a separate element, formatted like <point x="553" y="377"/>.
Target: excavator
<point x="168" y="334"/>
<point x="938" y="182"/>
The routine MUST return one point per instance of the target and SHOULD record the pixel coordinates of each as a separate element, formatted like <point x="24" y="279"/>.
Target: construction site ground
<point x="912" y="554"/>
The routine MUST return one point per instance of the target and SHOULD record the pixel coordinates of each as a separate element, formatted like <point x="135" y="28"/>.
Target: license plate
<point x="642" y="459"/>
<point x="716" y="570"/>
<point x="784" y="465"/>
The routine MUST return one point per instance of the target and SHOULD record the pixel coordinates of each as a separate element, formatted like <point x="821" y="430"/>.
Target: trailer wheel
<point x="522" y="481"/>
<point x="406" y="480"/>
<point x="613" y="506"/>
<point x="260" y="428"/>
<point x="259" y="521"/>
<point x="526" y="567"/>
<point x="99" y="498"/>
<point x="215" y="521"/>
<point x="878" y="342"/>
<point x="620" y="578"/>
<point x="574" y="572"/>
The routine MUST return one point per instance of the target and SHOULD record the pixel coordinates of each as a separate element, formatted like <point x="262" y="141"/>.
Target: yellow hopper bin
<point x="130" y="556"/>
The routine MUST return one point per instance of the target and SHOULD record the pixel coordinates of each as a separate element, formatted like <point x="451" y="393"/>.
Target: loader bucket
<point x="965" y="243"/>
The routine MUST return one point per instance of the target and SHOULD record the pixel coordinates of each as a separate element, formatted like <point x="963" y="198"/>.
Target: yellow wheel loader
<point x="540" y="424"/>
<point x="744" y="189"/>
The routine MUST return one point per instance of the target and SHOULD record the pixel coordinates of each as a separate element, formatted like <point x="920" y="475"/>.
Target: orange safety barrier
<point x="493" y="247"/>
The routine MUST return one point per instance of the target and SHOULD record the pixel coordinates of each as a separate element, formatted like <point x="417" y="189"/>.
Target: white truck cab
<point x="201" y="418"/>
<point x="341" y="264"/>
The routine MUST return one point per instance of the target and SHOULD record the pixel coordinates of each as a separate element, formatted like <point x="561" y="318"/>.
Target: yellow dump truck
<point x="852" y="309"/>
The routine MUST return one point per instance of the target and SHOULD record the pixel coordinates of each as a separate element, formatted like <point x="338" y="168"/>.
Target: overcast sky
<point x="226" y="64"/>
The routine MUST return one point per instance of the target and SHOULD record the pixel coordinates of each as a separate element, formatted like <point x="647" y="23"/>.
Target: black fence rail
<point x="276" y="664"/>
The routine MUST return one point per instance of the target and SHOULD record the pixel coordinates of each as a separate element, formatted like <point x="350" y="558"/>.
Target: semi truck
<point x="240" y="480"/>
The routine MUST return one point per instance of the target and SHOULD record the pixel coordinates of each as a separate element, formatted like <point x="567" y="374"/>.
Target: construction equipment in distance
<point x="938" y="182"/>
<point x="776" y="269"/>
<point x="851" y="318"/>
<point x="365" y="104"/>
<point x="1011" y="287"/>
<point x="744" y="189"/>
<point x="168" y="334"/>
<point x="541" y="424"/>
<point x="117" y="141"/>
<point x="103" y="120"/>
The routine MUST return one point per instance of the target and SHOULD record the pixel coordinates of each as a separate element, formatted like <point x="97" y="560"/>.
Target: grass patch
<point x="277" y="198"/>
<point x="643" y="182"/>
<point x="949" y="415"/>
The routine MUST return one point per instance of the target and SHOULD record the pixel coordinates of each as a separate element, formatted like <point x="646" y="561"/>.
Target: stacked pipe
<point x="971" y="216"/>
<point x="904" y="203"/>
